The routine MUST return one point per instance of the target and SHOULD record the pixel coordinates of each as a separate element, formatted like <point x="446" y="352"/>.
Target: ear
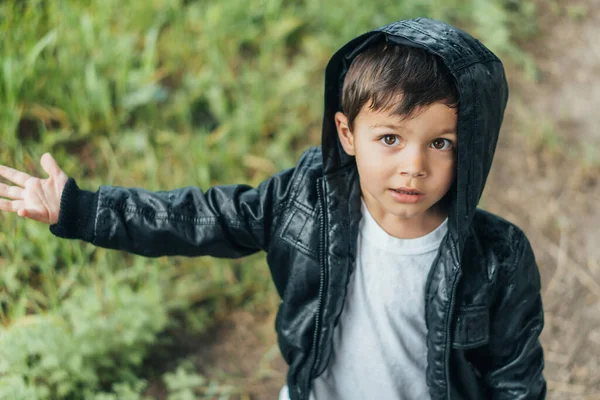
<point x="344" y="133"/>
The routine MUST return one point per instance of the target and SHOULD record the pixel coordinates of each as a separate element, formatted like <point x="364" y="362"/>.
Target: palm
<point x="35" y="198"/>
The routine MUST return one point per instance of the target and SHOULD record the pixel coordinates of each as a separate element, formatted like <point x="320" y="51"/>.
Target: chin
<point x="406" y="214"/>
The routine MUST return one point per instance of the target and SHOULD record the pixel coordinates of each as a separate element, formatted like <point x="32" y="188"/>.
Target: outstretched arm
<point x="223" y="221"/>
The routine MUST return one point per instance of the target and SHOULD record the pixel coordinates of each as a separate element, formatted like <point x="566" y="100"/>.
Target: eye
<point x="439" y="144"/>
<point x="389" y="140"/>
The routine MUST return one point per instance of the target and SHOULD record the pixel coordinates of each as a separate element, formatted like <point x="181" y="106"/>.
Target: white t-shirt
<point x="379" y="348"/>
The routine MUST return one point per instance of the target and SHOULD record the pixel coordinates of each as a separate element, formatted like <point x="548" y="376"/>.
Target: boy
<point x="394" y="285"/>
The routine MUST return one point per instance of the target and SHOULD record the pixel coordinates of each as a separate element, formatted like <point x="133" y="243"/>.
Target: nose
<point x="413" y="163"/>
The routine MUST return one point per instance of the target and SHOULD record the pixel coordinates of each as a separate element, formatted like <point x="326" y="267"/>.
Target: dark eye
<point x="389" y="140"/>
<point x="439" y="144"/>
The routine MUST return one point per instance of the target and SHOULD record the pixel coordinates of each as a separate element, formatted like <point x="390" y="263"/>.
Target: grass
<point x="161" y="94"/>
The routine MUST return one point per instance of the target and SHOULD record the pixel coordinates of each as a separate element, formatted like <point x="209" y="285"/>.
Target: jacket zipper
<point x="322" y="282"/>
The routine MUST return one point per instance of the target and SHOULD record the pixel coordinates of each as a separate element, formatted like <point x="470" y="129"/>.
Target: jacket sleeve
<point x="517" y="359"/>
<point x="224" y="221"/>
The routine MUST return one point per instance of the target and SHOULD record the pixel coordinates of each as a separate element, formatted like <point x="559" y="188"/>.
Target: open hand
<point x="35" y="198"/>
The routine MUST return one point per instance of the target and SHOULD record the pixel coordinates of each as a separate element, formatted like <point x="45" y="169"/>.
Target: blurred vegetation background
<point x="163" y="94"/>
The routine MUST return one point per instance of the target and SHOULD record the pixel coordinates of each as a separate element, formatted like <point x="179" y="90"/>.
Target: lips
<point x="405" y="190"/>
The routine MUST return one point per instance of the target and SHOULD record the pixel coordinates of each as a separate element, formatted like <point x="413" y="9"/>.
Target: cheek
<point x="365" y="155"/>
<point x="371" y="165"/>
<point x="441" y="164"/>
<point x="448" y="170"/>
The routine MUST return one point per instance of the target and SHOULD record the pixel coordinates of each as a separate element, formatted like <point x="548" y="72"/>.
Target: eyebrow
<point x="396" y="127"/>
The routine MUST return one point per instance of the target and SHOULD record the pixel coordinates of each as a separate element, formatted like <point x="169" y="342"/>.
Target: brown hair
<point x="396" y="77"/>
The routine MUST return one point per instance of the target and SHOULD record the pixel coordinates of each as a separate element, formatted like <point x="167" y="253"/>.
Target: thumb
<point x="50" y="165"/>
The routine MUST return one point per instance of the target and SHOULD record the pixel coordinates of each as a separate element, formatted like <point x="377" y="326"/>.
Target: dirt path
<point x="244" y="350"/>
<point x="546" y="193"/>
<point x="553" y="197"/>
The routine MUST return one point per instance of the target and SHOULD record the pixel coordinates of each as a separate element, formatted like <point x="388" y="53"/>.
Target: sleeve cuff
<point x="77" y="213"/>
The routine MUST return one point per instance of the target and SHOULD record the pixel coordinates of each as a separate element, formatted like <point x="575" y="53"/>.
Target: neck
<point x="409" y="228"/>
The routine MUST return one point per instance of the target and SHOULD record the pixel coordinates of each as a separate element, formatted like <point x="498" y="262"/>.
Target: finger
<point x="13" y="175"/>
<point x="11" y="192"/>
<point x="12" y="206"/>
<point x="50" y="165"/>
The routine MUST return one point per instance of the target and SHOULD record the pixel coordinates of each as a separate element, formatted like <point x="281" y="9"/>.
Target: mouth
<point x="407" y="195"/>
<point x="405" y="190"/>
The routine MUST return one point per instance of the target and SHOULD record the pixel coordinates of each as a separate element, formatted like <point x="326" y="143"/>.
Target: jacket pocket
<point x="299" y="231"/>
<point x="471" y="327"/>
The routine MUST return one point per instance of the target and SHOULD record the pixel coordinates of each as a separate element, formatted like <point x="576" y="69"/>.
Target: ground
<point x="554" y="196"/>
<point x="545" y="191"/>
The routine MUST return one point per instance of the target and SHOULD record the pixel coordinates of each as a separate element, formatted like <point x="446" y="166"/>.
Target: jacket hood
<point x="483" y="94"/>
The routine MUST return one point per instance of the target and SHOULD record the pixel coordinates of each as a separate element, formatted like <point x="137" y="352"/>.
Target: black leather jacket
<point x="483" y="305"/>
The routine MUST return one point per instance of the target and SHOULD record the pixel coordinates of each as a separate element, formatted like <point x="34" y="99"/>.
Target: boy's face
<point x="392" y="153"/>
